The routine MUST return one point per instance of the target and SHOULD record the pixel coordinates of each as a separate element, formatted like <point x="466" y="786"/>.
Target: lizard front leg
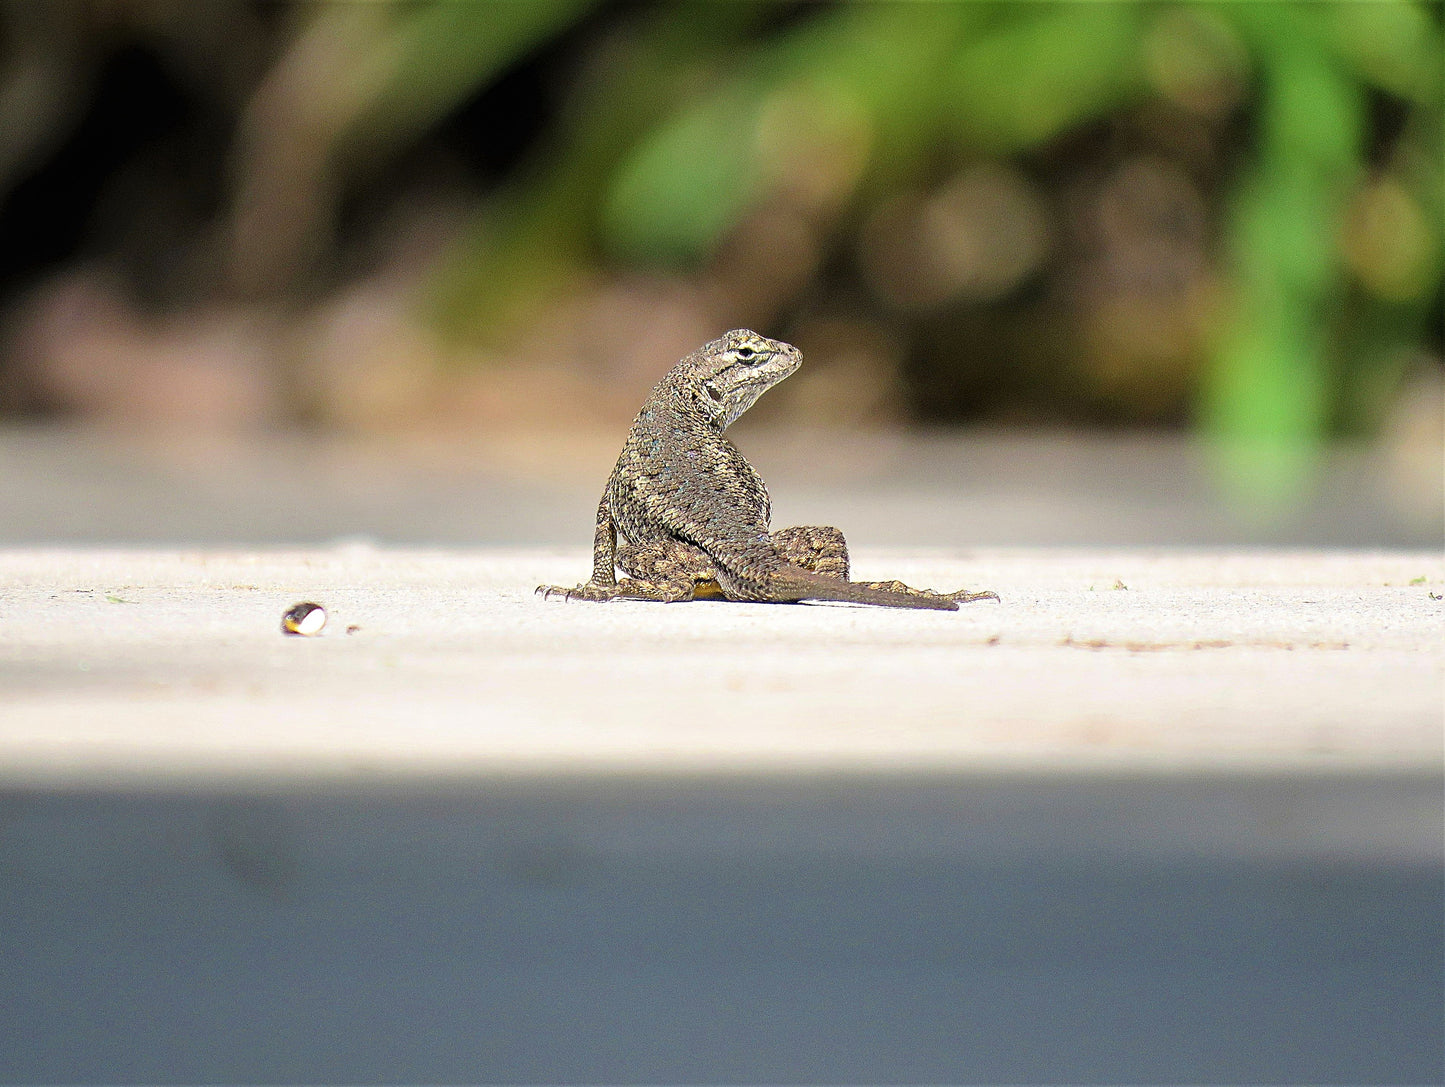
<point x="602" y="585"/>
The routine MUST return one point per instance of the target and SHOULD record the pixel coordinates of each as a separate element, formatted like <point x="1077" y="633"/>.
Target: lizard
<point x="686" y="516"/>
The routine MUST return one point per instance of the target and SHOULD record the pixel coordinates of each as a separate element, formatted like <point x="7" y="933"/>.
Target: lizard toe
<point x="963" y="596"/>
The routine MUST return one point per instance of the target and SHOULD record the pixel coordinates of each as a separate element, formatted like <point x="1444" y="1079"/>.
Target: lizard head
<point x="730" y="373"/>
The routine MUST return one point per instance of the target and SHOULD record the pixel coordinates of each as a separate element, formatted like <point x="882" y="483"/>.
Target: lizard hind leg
<point x="667" y="570"/>
<point x="819" y="548"/>
<point x="823" y="550"/>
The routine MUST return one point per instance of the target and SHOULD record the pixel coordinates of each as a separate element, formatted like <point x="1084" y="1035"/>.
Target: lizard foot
<point x="962" y="596"/>
<point x="626" y="589"/>
<point x="587" y="591"/>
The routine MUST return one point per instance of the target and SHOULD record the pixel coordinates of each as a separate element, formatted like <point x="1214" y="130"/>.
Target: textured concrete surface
<point x="1159" y="816"/>
<point x="125" y="664"/>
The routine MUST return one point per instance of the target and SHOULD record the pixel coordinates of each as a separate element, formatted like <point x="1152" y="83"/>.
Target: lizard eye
<point x="745" y="352"/>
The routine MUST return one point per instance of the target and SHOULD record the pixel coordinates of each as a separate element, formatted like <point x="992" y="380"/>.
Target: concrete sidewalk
<point x="1159" y="816"/>
<point x="149" y="665"/>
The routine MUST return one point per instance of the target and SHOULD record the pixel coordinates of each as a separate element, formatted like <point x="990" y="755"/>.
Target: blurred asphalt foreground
<point x="1172" y="812"/>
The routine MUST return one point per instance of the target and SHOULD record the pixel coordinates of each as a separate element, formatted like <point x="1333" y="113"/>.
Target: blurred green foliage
<point x="961" y="175"/>
<point x="694" y="114"/>
<point x="1276" y="373"/>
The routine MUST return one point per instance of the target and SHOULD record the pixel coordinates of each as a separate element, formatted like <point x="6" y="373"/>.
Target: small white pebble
<point x="304" y="619"/>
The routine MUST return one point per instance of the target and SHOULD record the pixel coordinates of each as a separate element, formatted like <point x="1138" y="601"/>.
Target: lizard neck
<point x="687" y="403"/>
<point x="719" y="398"/>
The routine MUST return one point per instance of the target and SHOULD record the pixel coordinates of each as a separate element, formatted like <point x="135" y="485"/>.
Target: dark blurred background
<point x="1222" y="221"/>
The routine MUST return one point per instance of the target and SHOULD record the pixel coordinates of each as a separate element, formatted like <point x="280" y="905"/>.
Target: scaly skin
<point x="685" y="515"/>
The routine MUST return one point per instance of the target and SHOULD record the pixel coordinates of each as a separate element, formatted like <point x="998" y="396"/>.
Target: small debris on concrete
<point x="304" y="620"/>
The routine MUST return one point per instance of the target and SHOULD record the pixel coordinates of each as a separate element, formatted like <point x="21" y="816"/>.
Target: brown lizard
<point x="686" y="516"/>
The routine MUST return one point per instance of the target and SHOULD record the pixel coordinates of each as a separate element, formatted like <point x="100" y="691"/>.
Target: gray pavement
<point x="942" y="489"/>
<point x="854" y="928"/>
